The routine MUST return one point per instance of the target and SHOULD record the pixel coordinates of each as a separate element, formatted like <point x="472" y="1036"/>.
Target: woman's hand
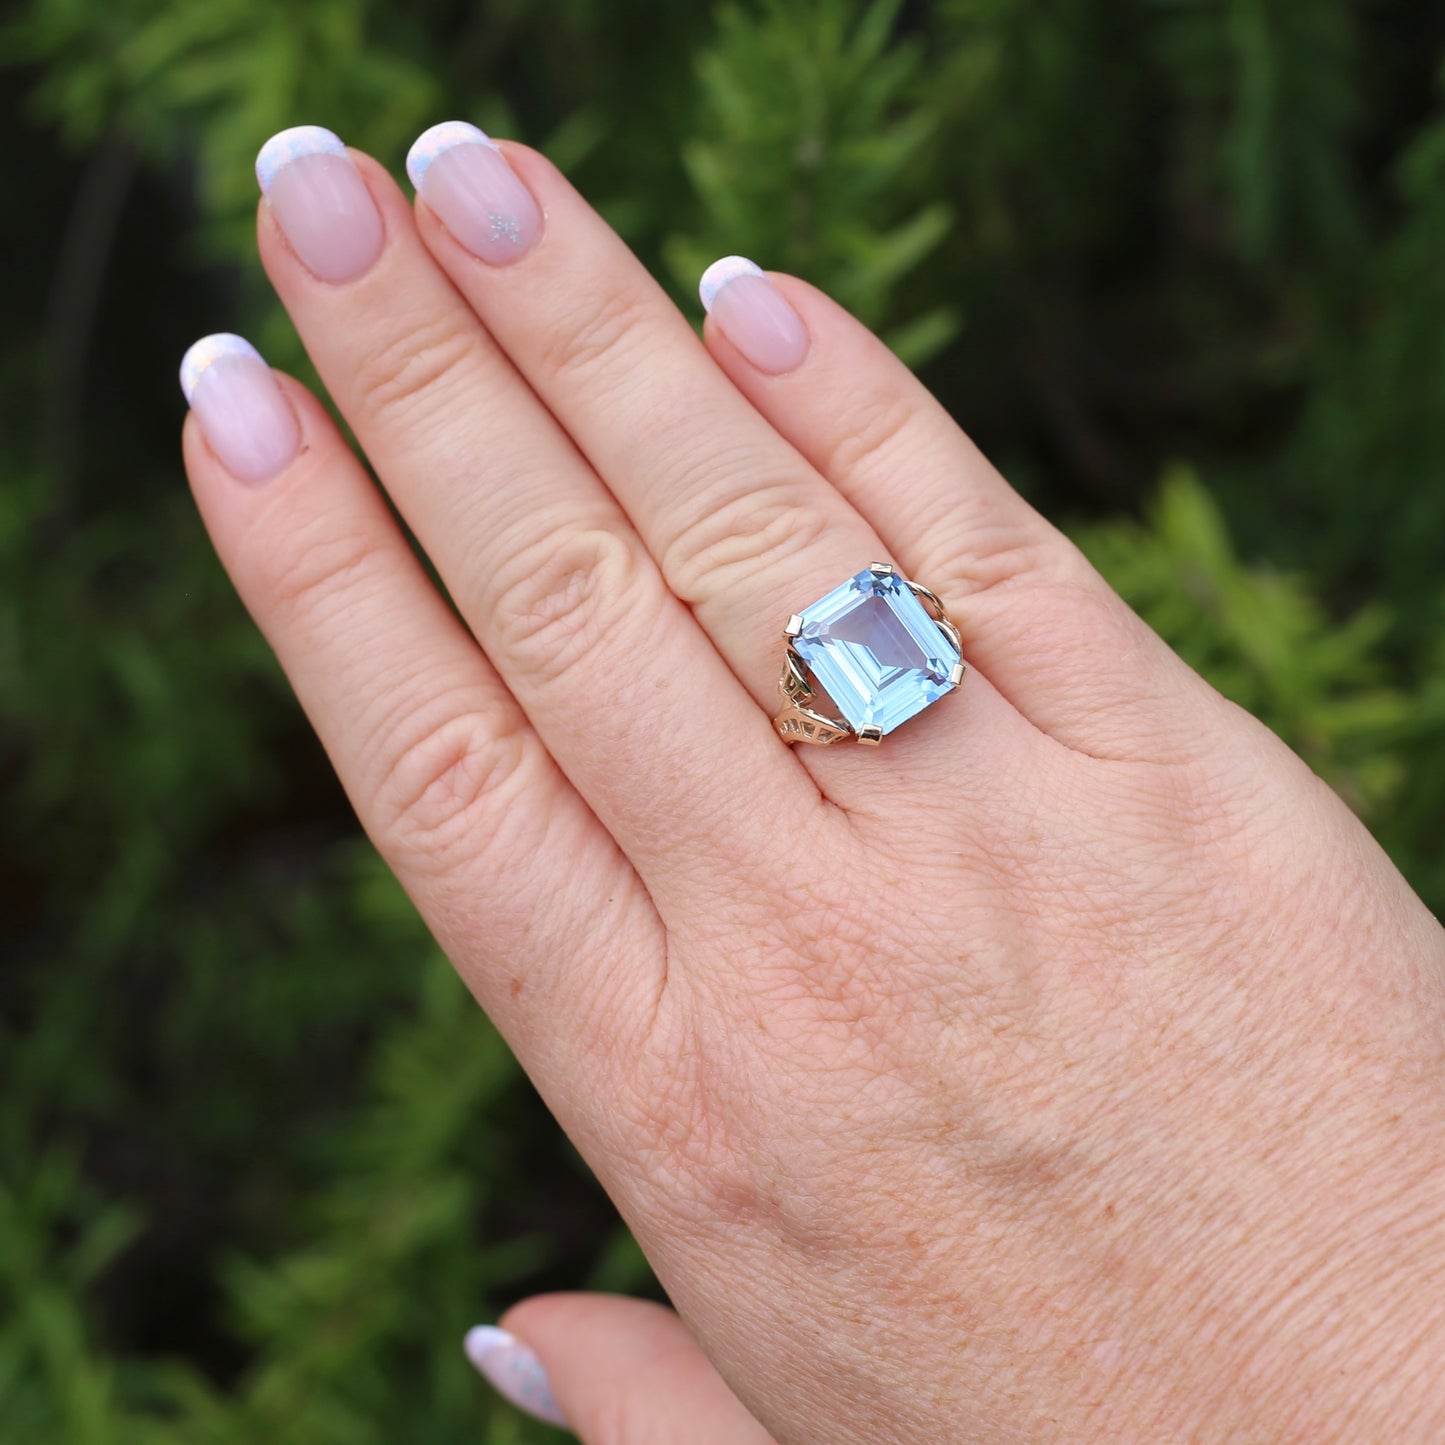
<point x="1070" y="1067"/>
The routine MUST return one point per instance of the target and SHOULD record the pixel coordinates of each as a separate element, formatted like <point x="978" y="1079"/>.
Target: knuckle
<point x="745" y="537"/>
<point x="410" y="369"/>
<point x="563" y="596"/>
<point x="316" y="568"/>
<point x="586" y="341"/>
<point x="876" y="426"/>
<point x="447" y="782"/>
<point x="1000" y="553"/>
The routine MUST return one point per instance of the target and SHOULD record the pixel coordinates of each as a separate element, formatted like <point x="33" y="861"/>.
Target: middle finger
<point x="617" y="679"/>
<point x="743" y="527"/>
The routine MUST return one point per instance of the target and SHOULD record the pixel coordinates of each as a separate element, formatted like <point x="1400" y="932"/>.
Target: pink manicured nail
<point x="753" y="314"/>
<point x="321" y="202"/>
<point x="247" y="421"/>
<point x="464" y="177"/>
<point x="514" y="1372"/>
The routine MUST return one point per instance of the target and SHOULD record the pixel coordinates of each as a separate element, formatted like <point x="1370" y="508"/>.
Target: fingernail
<point x="464" y="177"/>
<point x="513" y="1371"/>
<point x="320" y="201"/>
<point x="753" y="314"/>
<point x="249" y="424"/>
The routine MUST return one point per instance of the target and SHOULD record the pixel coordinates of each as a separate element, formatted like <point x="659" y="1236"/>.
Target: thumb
<point x="615" y="1371"/>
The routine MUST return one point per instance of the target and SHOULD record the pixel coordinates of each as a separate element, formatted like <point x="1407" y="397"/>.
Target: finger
<point x="743" y="528"/>
<point x="612" y="1370"/>
<point x="443" y="770"/>
<point x="616" y="677"/>
<point x="1050" y="633"/>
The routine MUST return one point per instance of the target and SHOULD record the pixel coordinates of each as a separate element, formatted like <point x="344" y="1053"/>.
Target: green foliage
<point x="55" y="1237"/>
<point x="1268" y="96"/>
<point x="212" y="77"/>
<point x="261" y="1160"/>
<point x="821" y="91"/>
<point x="1263" y="639"/>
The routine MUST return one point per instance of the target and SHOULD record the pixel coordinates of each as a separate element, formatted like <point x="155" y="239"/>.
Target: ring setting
<point x="881" y="648"/>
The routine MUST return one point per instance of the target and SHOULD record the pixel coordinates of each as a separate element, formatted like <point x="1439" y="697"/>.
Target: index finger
<point x="532" y="901"/>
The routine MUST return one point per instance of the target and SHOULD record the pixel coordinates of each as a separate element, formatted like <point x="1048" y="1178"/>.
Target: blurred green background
<point x="1179" y="265"/>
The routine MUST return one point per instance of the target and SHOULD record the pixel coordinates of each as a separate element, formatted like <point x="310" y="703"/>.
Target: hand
<point x="1070" y="1067"/>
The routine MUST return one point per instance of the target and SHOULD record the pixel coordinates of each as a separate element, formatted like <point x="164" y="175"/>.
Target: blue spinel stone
<point x="875" y="651"/>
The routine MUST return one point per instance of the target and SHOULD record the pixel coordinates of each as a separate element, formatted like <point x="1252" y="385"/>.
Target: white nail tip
<point x="431" y="143"/>
<point x="209" y="349"/>
<point x="720" y="273"/>
<point x="481" y="1340"/>
<point x="513" y="1370"/>
<point x="289" y="145"/>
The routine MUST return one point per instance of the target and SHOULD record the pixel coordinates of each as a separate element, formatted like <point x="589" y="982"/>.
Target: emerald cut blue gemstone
<point x="873" y="648"/>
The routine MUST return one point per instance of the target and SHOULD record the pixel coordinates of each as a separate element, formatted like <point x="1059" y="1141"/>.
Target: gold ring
<point x="879" y="647"/>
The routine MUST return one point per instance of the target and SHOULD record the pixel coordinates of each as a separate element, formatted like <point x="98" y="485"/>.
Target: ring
<point x="880" y="647"/>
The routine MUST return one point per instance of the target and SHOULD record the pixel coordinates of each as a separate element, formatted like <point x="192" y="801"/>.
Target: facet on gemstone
<point x="873" y="648"/>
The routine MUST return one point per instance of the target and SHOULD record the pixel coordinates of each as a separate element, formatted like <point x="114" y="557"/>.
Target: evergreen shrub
<point x="1177" y="267"/>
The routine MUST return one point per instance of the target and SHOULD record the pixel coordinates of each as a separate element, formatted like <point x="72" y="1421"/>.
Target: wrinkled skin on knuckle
<point x="449" y="783"/>
<point x="557" y="599"/>
<point x="414" y="373"/>
<point x="1077" y="635"/>
<point x="877" y="423"/>
<point x="309" y="572"/>
<point x="598" y="338"/>
<point x="998" y="553"/>
<point x="745" y="540"/>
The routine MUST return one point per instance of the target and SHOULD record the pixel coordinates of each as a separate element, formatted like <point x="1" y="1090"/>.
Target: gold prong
<point x="870" y="735"/>
<point x="930" y="600"/>
<point x="956" y="676"/>
<point x="950" y="632"/>
<point x="794" y="627"/>
<point x="881" y="569"/>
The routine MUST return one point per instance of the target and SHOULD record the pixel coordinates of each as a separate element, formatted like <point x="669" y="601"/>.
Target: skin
<point x="1072" y="1067"/>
